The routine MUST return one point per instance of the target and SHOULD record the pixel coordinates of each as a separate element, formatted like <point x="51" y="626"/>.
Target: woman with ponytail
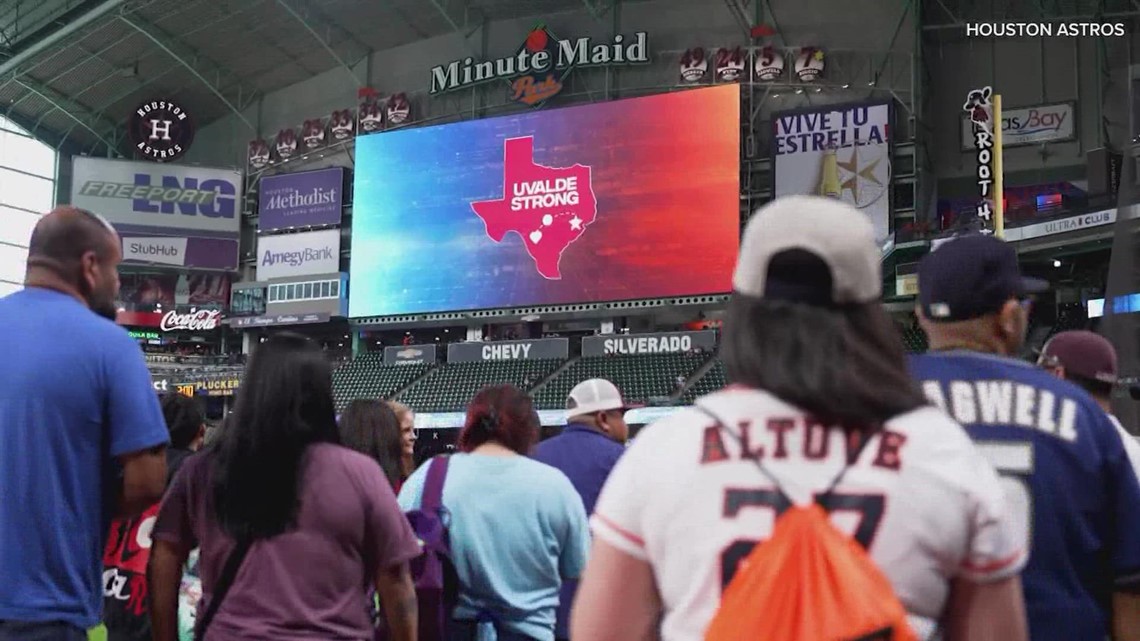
<point x="517" y="527"/>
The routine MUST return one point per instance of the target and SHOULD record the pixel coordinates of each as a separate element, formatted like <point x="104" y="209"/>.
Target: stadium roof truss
<point x="70" y="70"/>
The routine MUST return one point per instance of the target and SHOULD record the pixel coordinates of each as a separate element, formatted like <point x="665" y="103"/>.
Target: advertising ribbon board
<point x="279" y="319"/>
<point x="211" y="387"/>
<point x="161" y="199"/>
<point x="305" y="199"/>
<point x="509" y="350"/>
<point x="409" y="355"/>
<point x="1062" y="225"/>
<point x="548" y="418"/>
<point x="668" y="343"/>
<point x="305" y="254"/>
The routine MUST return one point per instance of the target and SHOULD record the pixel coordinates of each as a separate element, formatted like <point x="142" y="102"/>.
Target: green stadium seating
<point x="366" y="376"/>
<point x="640" y="377"/>
<point x="713" y="380"/>
<point x="450" y="387"/>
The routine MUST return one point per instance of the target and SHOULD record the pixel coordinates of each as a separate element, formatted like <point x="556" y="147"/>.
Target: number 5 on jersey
<point x="1013" y="461"/>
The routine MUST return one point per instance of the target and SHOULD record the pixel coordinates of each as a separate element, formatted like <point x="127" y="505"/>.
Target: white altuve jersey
<point x="920" y="497"/>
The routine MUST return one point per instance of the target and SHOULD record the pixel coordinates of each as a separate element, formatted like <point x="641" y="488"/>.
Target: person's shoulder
<point x="340" y="457"/>
<point x="930" y="425"/>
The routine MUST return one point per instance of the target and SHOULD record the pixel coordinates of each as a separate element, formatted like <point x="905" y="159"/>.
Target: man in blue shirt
<point x="75" y="399"/>
<point x="1066" y="476"/>
<point x="586" y="450"/>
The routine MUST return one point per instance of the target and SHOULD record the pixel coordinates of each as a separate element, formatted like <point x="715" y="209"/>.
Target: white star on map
<point x="575" y="223"/>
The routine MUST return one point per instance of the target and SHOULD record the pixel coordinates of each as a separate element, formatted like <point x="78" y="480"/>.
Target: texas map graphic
<point x="548" y="207"/>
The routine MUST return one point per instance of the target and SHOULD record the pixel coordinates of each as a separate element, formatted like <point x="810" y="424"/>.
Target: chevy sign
<point x="307" y="254"/>
<point x="145" y="197"/>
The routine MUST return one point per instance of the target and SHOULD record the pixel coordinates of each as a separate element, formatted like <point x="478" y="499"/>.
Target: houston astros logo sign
<point x="161" y="130"/>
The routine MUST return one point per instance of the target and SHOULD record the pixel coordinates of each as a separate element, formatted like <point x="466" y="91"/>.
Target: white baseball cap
<point x="595" y="395"/>
<point x="831" y="230"/>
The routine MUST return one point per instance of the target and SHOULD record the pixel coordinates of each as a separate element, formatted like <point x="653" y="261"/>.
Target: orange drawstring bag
<point x="808" y="581"/>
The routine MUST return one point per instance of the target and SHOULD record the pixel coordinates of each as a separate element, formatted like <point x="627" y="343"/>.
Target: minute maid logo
<point x="537" y="70"/>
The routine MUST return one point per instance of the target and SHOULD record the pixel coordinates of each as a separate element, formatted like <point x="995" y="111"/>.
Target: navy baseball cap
<point x="970" y="276"/>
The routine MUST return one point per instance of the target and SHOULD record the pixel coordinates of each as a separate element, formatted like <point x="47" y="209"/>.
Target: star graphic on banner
<point x="575" y="223"/>
<point x="867" y="173"/>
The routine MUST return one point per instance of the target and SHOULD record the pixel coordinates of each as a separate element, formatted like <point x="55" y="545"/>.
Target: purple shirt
<point x="310" y="582"/>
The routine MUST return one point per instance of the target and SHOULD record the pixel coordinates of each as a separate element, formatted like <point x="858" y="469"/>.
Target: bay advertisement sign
<point x="1028" y="126"/>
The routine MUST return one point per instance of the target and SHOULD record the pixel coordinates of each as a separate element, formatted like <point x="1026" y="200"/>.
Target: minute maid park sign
<point x="536" y="71"/>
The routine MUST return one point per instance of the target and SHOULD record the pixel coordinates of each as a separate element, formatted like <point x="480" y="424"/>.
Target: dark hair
<point x="184" y="419"/>
<point x="844" y="365"/>
<point x="372" y="428"/>
<point x="501" y="413"/>
<point x="285" y="405"/>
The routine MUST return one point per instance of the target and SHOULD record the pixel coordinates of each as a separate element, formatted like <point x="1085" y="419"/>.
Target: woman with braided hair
<point x="517" y="527"/>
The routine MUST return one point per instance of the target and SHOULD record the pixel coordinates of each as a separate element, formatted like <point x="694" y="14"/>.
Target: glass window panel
<point x="26" y="192"/>
<point x="273" y="293"/>
<point x="13" y="263"/>
<point x="308" y="291"/>
<point x="27" y="154"/>
<point x="325" y="289"/>
<point x="335" y="293"/>
<point x="291" y="292"/>
<point x="16" y="225"/>
<point x="11" y="126"/>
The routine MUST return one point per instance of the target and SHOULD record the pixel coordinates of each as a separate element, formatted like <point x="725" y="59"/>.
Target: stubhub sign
<point x="146" y="196"/>
<point x="307" y="254"/>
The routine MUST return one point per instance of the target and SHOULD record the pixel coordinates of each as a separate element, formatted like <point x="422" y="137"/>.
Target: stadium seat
<point x="451" y="387"/>
<point x="640" y="377"/>
<point x="366" y="376"/>
<point x="713" y="380"/>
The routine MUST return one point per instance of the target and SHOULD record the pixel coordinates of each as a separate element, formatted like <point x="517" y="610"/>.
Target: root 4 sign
<point x="980" y="113"/>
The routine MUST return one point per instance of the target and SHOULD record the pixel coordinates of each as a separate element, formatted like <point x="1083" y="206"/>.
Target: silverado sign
<point x="201" y="321"/>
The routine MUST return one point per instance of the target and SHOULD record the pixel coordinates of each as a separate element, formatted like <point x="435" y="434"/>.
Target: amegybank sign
<point x="156" y="198"/>
<point x="306" y="254"/>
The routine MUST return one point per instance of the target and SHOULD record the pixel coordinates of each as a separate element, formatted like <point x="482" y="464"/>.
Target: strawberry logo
<point x="537" y="39"/>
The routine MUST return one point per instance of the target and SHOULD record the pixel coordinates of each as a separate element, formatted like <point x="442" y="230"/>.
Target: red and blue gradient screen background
<point x="665" y="173"/>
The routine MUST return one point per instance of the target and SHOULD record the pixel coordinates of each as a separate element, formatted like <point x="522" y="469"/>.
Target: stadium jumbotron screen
<point x="621" y="200"/>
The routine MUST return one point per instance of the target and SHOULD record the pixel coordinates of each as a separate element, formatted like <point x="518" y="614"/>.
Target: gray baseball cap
<point x="827" y="229"/>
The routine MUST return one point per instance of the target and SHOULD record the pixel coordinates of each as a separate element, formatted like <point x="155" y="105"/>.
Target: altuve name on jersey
<point x="771" y="441"/>
<point x="1005" y="403"/>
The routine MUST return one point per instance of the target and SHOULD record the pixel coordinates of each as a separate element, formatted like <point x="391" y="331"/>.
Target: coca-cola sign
<point x="201" y="321"/>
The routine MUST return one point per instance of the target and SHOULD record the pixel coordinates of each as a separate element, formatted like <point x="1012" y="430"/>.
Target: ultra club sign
<point x="200" y="321"/>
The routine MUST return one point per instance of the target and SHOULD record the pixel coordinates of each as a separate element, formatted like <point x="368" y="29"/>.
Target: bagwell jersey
<point x="1066" y="477"/>
<point x="687" y="498"/>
